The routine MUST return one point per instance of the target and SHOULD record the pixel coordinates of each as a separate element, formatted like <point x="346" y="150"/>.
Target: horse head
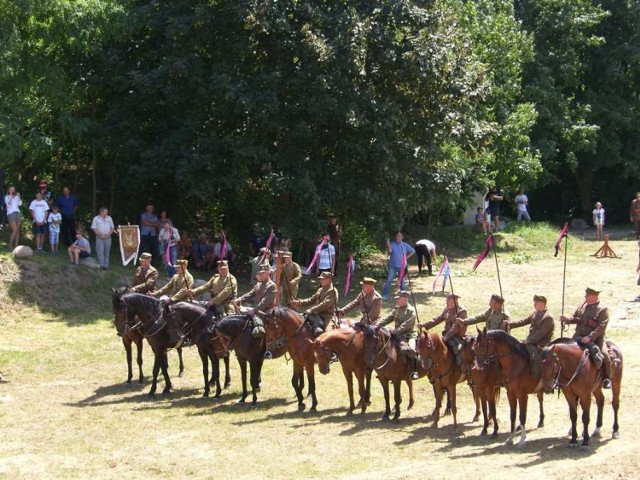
<point x="119" y="309"/>
<point x="371" y="343"/>
<point x="322" y="354"/>
<point x="550" y="366"/>
<point x="484" y="348"/>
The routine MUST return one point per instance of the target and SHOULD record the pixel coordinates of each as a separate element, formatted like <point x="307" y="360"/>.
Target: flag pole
<point x="415" y="305"/>
<point x="495" y="254"/>
<point x="564" y="276"/>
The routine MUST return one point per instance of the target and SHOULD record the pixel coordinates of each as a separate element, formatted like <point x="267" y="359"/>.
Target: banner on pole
<point x="129" y="236"/>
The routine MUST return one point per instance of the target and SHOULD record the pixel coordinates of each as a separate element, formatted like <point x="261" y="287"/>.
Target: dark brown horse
<point x="348" y="345"/>
<point x="290" y="325"/>
<point x="443" y="371"/>
<point x="381" y="354"/>
<point x="513" y="358"/>
<point x="567" y="367"/>
<point x="131" y="336"/>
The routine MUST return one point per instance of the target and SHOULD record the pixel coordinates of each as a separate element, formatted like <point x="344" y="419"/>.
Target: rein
<point x="583" y="361"/>
<point x="435" y="364"/>
<point x="383" y="349"/>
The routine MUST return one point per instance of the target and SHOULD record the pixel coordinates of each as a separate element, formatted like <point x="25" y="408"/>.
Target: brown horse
<point x="513" y="358"/>
<point x="567" y="367"/>
<point x="283" y="322"/>
<point x="381" y="353"/>
<point x="444" y="372"/>
<point x="348" y="345"/>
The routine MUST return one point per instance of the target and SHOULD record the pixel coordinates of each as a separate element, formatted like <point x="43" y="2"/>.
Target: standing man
<point x="521" y="204"/>
<point x="369" y="301"/>
<point x="335" y="235"/>
<point x="450" y="315"/>
<point x="540" y="332"/>
<point x="290" y="278"/>
<point x="223" y="288"/>
<point x="149" y="227"/>
<point x="68" y="204"/>
<point x="496" y="317"/>
<point x="634" y="214"/>
<point x="327" y="258"/>
<point x="146" y="275"/>
<point x="425" y="249"/>
<point x="38" y="209"/>
<point x="591" y="320"/>
<point x="263" y="295"/>
<point x="404" y="318"/>
<point x="494" y="197"/>
<point x="102" y="226"/>
<point x="396" y="251"/>
<point x="321" y="305"/>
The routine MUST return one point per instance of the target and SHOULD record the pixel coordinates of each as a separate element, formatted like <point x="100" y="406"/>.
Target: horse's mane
<point x="562" y="341"/>
<point x="513" y="343"/>
<point x="232" y="322"/>
<point x="437" y="341"/>
<point x="282" y="313"/>
<point x="153" y="305"/>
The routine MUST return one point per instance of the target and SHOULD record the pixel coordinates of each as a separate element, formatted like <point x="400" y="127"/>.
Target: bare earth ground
<point x="67" y="413"/>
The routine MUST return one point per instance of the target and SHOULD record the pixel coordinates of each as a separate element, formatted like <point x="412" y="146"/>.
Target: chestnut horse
<point x="348" y="345"/>
<point x="444" y="372"/>
<point x="567" y="367"/>
<point x="284" y="322"/>
<point x="513" y="358"/>
<point x="381" y="354"/>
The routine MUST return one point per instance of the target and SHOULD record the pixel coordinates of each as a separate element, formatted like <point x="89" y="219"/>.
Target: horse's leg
<point x="243" y="375"/>
<point x="362" y="389"/>
<point x="156" y="370"/>
<point x="485" y="416"/>
<point x="349" y="376"/>
<point x="164" y="365"/>
<point x="522" y="403"/>
<point x="454" y="408"/>
<point x="600" y="407"/>
<point x="295" y="382"/>
<point x="139" y="344"/>
<point x="541" y="404"/>
<point x="215" y="372"/>
<point x="204" y="358"/>
<point x="492" y="395"/>
<point x="397" y="398"/>
<point x="447" y="408"/>
<point x="227" y="376"/>
<point x="573" y="415"/>
<point x="385" y="389"/>
<point x="256" y="378"/>
<point x="615" y="397"/>
<point x="513" y="405"/>
<point x="476" y="401"/>
<point x="437" y="390"/>
<point x="585" y="404"/>
<point x="127" y="348"/>
<point x="368" y="372"/>
<point x="411" y="398"/>
<point x="312" y="385"/>
<point x="181" y="366"/>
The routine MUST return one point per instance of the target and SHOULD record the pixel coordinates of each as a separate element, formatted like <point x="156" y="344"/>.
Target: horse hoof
<point x="385" y="417"/>
<point x="151" y="394"/>
<point x="584" y="447"/>
<point x="596" y="433"/>
<point x="410" y="406"/>
<point x="540" y="424"/>
<point x="205" y="395"/>
<point x="227" y="383"/>
<point x="615" y="435"/>
<point x="180" y="374"/>
<point x="166" y="391"/>
<point x="509" y="441"/>
<point x="349" y="413"/>
<point x="128" y="381"/>
<point x="396" y="419"/>
<point x="313" y="409"/>
<point x="521" y="444"/>
<point x="476" y="418"/>
<point x="253" y="404"/>
<point x="484" y="432"/>
<point x="141" y="380"/>
<point x="494" y="435"/>
<point x="242" y="401"/>
<point x="573" y="444"/>
<point x="301" y="407"/>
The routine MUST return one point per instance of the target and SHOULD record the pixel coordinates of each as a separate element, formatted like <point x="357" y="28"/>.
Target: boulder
<point x="578" y="225"/>
<point x="89" y="262"/>
<point x="206" y="296"/>
<point x="22" y="251"/>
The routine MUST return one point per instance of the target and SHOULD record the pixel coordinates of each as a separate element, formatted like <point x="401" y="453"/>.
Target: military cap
<point x="497" y="298"/>
<point x="326" y="275"/>
<point x="286" y="254"/>
<point x="540" y="298"/>
<point x="264" y="268"/>
<point x="182" y="262"/>
<point x="368" y="281"/>
<point x="402" y="294"/>
<point x="145" y="256"/>
<point x="591" y="291"/>
<point x="453" y="296"/>
<point x="223" y="264"/>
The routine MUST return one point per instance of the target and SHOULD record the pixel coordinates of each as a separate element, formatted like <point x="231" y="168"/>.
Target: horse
<point x="380" y="353"/>
<point x="348" y="345"/>
<point x="288" y="324"/>
<point x="567" y="367"/>
<point x="513" y="358"/>
<point x="444" y="372"/>
<point x="234" y="333"/>
<point x="131" y="336"/>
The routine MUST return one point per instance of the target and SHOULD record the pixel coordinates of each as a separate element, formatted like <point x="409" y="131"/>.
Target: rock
<point x="578" y="224"/>
<point x="89" y="262"/>
<point x="22" y="251"/>
<point x="206" y="296"/>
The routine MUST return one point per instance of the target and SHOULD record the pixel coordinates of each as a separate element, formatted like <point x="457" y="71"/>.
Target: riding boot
<point x="456" y="351"/>
<point x="414" y="375"/>
<point x="606" y="360"/>
<point x="174" y="331"/>
<point x="596" y="354"/>
<point x="534" y="359"/>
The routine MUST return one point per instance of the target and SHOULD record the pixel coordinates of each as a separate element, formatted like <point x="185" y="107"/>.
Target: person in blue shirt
<point x="80" y="248"/>
<point x="68" y="204"/>
<point x="396" y="251"/>
<point x="149" y="226"/>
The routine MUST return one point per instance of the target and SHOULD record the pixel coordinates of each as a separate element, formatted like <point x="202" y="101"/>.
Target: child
<point x="55" y="219"/>
<point x="598" y="219"/>
<point x="79" y="249"/>
<point x="481" y="221"/>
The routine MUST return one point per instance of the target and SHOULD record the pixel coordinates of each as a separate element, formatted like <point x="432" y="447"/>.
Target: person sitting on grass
<point x="481" y="221"/>
<point x="79" y="249"/>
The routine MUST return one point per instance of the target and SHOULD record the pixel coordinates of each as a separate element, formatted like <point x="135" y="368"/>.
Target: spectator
<point x="326" y="258"/>
<point x="481" y="221"/>
<point x="185" y="246"/>
<point x="80" y="248"/>
<point x="335" y="235"/>
<point x="46" y="194"/>
<point x="425" y="249"/>
<point x="598" y="220"/>
<point x="149" y="227"/>
<point x="168" y="238"/>
<point x="202" y="253"/>
<point x="13" y="202"/>
<point x="522" y="201"/>
<point x="38" y="209"/>
<point x="102" y="226"/>
<point x="396" y="251"/>
<point x="494" y="197"/>
<point x="68" y="205"/>
<point x="230" y="256"/>
<point x="55" y="219"/>
<point x="634" y="214"/>
<point x="3" y="209"/>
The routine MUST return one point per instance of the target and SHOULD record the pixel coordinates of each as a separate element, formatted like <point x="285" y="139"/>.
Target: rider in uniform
<point x="368" y="300"/>
<point x="321" y="305"/>
<point x="263" y="295"/>
<point x="404" y="318"/>
<point x="451" y="313"/>
<point x="540" y="332"/>
<point x="591" y="320"/>
<point x="223" y="288"/>
<point x="146" y="275"/>
<point x="290" y="277"/>
<point x="496" y="317"/>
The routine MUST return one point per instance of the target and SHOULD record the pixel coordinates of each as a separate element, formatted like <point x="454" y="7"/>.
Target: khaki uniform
<point x="263" y="295"/>
<point x="290" y="274"/>
<point x="494" y="320"/>
<point x="540" y="330"/>
<point x="370" y="306"/>
<point x="448" y="316"/>
<point x="178" y="286"/>
<point x="223" y="290"/>
<point x="404" y="324"/>
<point x="323" y="302"/>
<point x="591" y="321"/>
<point x="145" y="280"/>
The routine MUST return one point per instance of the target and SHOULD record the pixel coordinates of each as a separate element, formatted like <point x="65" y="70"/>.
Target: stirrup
<point x="334" y="358"/>
<point x="415" y="376"/>
<point x="606" y="384"/>
<point x="268" y="355"/>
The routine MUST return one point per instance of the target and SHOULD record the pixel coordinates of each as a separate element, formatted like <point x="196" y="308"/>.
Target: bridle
<point x="432" y="364"/>
<point x="382" y="349"/>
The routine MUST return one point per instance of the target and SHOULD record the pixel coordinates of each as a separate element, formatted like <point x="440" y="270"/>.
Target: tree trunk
<point x="584" y="180"/>
<point x="94" y="179"/>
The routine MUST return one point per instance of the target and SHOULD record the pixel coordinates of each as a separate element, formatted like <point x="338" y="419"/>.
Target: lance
<point x="415" y="305"/>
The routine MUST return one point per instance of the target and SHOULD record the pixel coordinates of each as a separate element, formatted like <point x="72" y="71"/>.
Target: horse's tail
<point x="496" y="395"/>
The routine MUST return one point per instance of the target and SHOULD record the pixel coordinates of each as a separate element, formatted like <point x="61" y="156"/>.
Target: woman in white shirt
<point x="168" y="238"/>
<point x="102" y="226"/>
<point x="13" y="202"/>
